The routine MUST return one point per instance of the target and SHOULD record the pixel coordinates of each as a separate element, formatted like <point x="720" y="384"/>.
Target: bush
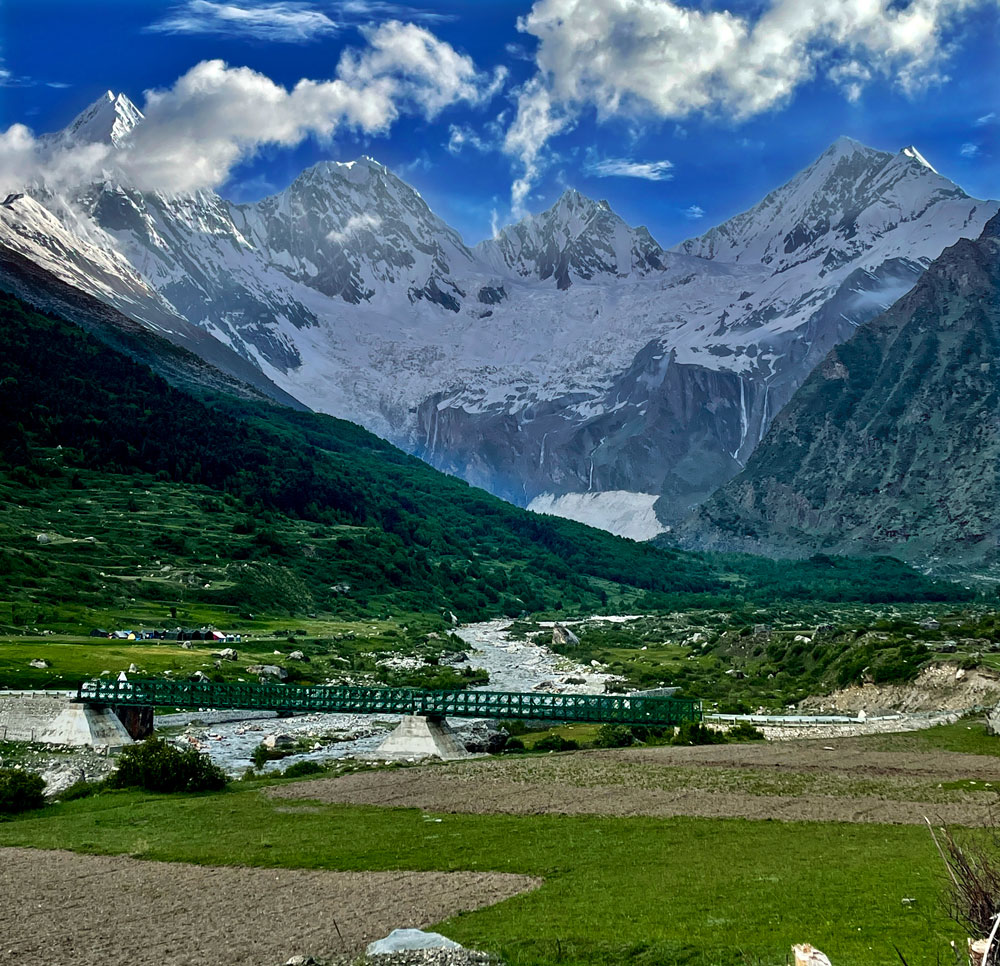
<point x="302" y="768"/>
<point x="514" y="744"/>
<point x="744" y="731"/>
<point x="155" y="766"/>
<point x="696" y="733"/>
<point x="20" y="790"/>
<point x="80" y="789"/>
<point x="555" y="743"/>
<point x="614" y="736"/>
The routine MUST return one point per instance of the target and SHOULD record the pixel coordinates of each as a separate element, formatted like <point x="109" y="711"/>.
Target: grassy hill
<point x="120" y="491"/>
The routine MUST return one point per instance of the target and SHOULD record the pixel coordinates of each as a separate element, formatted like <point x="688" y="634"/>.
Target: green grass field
<point x="641" y="891"/>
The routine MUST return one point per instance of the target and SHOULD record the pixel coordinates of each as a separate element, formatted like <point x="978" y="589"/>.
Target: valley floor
<point x="628" y="856"/>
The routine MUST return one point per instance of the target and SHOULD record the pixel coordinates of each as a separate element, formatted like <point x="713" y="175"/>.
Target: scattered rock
<point x="402" y="940"/>
<point x="296" y="656"/>
<point x="132" y="669"/>
<point x="228" y="654"/>
<point x="278" y="741"/>
<point x="39" y="662"/>
<point x="186" y="645"/>
<point x="198" y="677"/>
<point x="43" y="539"/>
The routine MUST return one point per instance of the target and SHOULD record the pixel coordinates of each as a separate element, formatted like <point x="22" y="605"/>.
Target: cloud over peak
<point x="667" y="60"/>
<point x="215" y="115"/>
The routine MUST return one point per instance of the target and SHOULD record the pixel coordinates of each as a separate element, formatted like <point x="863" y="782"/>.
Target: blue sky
<point x="680" y="114"/>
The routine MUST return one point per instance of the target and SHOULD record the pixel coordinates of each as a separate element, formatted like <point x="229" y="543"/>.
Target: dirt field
<point x="841" y="780"/>
<point x="63" y="909"/>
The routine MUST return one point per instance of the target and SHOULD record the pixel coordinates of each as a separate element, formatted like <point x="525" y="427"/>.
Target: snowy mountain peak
<point x="576" y="238"/>
<point x="353" y="230"/>
<point x="835" y="209"/>
<point x="110" y="118"/>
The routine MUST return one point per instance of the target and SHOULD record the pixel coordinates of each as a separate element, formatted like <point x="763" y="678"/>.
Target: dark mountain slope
<point x="189" y="358"/>
<point x="892" y="444"/>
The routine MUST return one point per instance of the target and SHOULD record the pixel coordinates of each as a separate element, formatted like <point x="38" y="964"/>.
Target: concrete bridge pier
<point x="423" y="736"/>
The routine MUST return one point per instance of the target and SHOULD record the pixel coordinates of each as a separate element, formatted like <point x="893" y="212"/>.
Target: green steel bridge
<point x="602" y="708"/>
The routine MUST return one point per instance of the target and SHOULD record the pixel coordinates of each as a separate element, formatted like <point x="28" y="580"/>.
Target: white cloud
<point x="969" y="150"/>
<point x="694" y="212"/>
<point x="626" y="168"/>
<point x="990" y="118"/>
<point x="427" y="70"/>
<point x="356" y="223"/>
<point x="536" y="121"/>
<point x="285" y="20"/>
<point x="215" y="116"/>
<point x="462" y="136"/>
<point x="667" y="60"/>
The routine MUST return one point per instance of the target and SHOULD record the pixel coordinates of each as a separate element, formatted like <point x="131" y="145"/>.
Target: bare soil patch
<point x="84" y="910"/>
<point x="803" y="781"/>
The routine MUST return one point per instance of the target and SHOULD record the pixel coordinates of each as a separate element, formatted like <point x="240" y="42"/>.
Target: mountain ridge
<point x="527" y="363"/>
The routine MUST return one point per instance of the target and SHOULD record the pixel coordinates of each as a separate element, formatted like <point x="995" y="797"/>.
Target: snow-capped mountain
<point x="576" y="238"/>
<point x="569" y="355"/>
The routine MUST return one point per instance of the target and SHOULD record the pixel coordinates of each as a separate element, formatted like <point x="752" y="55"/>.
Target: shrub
<point x="155" y="766"/>
<point x="696" y="733"/>
<point x="20" y="790"/>
<point x="614" y="736"/>
<point x="556" y="743"/>
<point x="302" y="768"/>
<point x="514" y="744"/>
<point x="80" y="789"/>
<point x="260" y="756"/>
<point x="744" y="731"/>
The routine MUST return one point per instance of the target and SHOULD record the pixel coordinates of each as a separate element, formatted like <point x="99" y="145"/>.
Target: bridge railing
<point x="601" y="708"/>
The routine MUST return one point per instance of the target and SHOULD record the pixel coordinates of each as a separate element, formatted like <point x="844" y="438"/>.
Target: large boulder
<point x="268" y="671"/>
<point x="482" y="737"/>
<point x="563" y="635"/>
<point x="402" y="940"/>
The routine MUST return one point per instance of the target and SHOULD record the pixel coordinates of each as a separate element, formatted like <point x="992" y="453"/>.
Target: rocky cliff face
<point x="568" y="356"/>
<point x="892" y="445"/>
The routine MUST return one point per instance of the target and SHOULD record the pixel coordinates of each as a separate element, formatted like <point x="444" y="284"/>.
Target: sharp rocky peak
<point x="576" y="238"/>
<point x="112" y="117"/>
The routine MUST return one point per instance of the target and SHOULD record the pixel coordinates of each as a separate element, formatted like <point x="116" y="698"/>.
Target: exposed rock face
<point x="893" y="443"/>
<point x="570" y="354"/>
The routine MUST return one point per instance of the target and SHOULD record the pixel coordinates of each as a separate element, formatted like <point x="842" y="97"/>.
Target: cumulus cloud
<point x="354" y="224"/>
<point x="286" y="20"/>
<point x="663" y="59"/>
<point x="215" y="116"/>
<point x="626" y="168"/>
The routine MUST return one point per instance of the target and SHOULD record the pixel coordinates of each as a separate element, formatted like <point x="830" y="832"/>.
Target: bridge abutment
<point x="423" y="736"/>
